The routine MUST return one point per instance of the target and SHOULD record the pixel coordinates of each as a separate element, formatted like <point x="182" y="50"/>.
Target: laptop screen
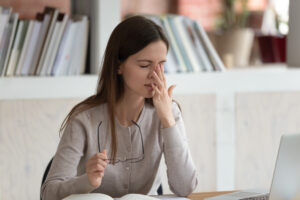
<point x="286" y="177"/>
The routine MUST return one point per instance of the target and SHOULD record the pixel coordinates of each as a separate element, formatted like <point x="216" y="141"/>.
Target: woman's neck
<point x="129" y="109"/>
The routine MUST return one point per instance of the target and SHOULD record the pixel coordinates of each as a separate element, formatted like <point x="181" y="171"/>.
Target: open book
<point x="99" y="196"/>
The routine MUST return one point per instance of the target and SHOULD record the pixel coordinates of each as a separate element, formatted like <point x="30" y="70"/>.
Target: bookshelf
<point x="264" y="79"/>
<point x="55" y="43"/>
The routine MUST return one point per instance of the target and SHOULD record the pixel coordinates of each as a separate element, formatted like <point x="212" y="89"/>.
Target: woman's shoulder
<point x="92" y="113"/>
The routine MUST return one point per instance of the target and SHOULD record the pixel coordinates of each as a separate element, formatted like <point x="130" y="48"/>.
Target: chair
<point x="159" y="190"/>
<point x="46" y="171"/>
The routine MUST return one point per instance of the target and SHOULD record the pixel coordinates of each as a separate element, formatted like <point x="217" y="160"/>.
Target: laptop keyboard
<point x="250" y="196"/>
<point x="258" y="197"/>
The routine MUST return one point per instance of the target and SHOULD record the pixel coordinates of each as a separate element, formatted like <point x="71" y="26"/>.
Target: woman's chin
<point x="149" y="94"/>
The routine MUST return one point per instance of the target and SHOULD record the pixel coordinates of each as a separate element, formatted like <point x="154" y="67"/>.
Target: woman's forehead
<point x="154" y="50"/>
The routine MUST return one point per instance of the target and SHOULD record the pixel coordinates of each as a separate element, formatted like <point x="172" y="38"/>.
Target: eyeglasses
<point x="131" y="160"/>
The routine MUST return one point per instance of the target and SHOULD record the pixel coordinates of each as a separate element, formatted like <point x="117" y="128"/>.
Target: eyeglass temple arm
<point x="140" y="134"/>
<point x="99" y="147"/>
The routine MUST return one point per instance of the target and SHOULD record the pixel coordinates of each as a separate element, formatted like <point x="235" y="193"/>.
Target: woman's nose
<point x="151" y="70"/>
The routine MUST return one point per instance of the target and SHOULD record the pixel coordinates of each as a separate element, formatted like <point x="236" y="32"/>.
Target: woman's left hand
<point x="162" y="97"/>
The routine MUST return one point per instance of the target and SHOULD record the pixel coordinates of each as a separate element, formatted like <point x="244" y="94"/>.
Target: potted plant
<point x="234" y="40"/>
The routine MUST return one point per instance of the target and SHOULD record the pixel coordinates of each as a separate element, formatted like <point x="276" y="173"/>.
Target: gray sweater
<point x="80" y="142"/>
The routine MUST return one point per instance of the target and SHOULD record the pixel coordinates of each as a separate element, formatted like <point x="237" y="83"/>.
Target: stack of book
<point x="190" y="48"/>
<point x="52" y="44"/>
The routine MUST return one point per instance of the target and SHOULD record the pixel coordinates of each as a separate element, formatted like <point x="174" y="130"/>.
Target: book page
<point x="90" y="196"/>
<point x="136" y="197"/>
<point x="146" y="197"/>
<point x="170" y="197"/>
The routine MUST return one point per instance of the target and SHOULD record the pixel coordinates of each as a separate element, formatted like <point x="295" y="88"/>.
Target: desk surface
<point x="202" y="195"/>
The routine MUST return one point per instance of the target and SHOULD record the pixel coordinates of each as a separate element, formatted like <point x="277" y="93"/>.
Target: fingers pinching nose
<point x="153" y="92"/>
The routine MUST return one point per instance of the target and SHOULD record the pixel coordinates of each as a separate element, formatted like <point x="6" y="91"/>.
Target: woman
<point x="113" y="141"/>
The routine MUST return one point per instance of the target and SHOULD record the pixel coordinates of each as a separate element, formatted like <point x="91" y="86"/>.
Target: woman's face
<point x="136" y="69"/>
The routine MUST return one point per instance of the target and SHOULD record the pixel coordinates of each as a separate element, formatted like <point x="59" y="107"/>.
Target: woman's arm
<point x="62" y="179"/>
<point x="181" y="170"/>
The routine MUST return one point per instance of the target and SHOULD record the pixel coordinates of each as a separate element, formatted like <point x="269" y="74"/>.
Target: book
<point x="62" y="60"/>
<point x="24" y="50"/>
<point x="13" y="26"/>
<point x="200" y="51"/>
<point x="100" y="196"/>
<point x="25" y="69"/>
<point x="53" y="13"/>
<point x="23" y="26"/>
<point x="45" y="20"/>
<point x="16" y="48"/>
<point x="79" y="48"/>
<point x="64" y="19"/>
<point x="4" y="17"/>
<point x="45" y="62"/>
<point x="187" y="44"/>
<point x="4" y="42"/>
<point x="178" y="40"/>
<point x="174" y="45"/>
<point x="216" y="60"/>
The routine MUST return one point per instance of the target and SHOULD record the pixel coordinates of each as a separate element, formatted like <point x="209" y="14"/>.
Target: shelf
<point x="47" y="87"/>
<point x="233" y="81"/>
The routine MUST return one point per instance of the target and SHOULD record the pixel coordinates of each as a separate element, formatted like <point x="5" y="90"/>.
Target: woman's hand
<point x="162" y="97"/>
<point x="95" y="167"/>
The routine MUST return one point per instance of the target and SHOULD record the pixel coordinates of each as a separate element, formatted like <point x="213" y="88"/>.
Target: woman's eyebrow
<point x="145" y="60"/>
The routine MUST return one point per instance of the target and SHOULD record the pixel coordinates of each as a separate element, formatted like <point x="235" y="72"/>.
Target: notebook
<point x="286" y="176"/>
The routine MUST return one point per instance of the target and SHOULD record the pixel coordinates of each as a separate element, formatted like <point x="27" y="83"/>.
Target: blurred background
<point x="234" y="119"/>
<point x="244" y="32"/>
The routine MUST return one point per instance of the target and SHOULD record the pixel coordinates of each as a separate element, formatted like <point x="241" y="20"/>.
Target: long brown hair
<point x="129" y="37"/>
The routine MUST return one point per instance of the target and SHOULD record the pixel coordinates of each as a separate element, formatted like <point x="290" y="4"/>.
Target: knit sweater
<point x="89" y="130"/>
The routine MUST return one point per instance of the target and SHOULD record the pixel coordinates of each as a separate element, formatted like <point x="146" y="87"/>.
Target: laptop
<point x="286" y="176"/>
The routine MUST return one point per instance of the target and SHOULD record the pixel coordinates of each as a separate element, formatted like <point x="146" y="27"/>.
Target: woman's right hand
<point x="95" y="167"/>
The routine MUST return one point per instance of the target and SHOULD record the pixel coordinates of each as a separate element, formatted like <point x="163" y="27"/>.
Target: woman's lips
<point x="149" y="87"/>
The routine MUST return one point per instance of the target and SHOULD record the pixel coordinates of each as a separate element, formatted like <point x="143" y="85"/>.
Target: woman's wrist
<point x="168" y="122"/>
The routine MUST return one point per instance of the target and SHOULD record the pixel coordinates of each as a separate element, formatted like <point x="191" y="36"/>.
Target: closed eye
<point x="144" y="66"/>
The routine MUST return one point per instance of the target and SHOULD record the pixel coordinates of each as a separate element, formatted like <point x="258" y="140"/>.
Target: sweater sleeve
<point x="62" y="179"/>
<point x="181" y="170"/>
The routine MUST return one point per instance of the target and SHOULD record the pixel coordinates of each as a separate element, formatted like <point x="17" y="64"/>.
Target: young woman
<point x="113" y="141"/>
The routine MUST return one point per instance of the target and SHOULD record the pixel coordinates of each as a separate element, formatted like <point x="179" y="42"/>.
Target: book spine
<point x="31" y="47"/>
<point x="57" y="43"/>
<point x="4" y="45"/>
<point x="14" y="22"/>
<point x="53" y="13"/>
<point x="39" y="46"/>
<point x="173" y="43"/>
<point x="15" y="50"/>
<point x="180" y="44"/>
<point x="22" y="46"/>
<point x="211" y="50"/>
<point x="202" y="55"/>
<point x="187" y="44"/>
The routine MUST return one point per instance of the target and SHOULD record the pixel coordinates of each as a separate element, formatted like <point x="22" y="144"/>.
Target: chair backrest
<point x="45" y="174"/>
<point x="46" y="171"/>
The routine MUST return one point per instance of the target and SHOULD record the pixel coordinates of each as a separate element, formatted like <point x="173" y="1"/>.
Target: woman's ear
<point x="119" y="70"/>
